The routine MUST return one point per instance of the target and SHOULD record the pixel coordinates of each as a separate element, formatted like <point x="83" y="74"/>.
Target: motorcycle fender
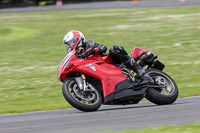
<point x="158" y="65"/>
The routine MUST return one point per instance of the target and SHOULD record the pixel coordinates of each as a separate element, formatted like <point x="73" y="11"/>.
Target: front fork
<point x="81" y="82"/>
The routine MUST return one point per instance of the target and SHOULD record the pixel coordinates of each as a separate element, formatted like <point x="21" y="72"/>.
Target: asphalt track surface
<point x="100" y="5"/>
<point x="107" y="118"/>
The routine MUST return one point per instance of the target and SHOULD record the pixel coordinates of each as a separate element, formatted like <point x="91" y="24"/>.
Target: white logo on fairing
<point x="93" y="68"/>
<point x="88" y="65"/>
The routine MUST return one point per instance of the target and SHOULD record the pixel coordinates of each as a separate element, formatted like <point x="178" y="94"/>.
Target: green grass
<point x="31" y="49"/>
<point x="192" y="128"/>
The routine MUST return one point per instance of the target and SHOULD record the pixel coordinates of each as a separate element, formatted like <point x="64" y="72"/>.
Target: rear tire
<point x="84" y="101"/>
<point x="157" y="96"/>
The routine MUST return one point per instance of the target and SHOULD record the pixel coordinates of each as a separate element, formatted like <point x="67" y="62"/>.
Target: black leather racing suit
<point x="117" y="53"/>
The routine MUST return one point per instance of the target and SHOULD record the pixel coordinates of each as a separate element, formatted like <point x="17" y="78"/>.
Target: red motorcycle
<point x="95" y="80"/>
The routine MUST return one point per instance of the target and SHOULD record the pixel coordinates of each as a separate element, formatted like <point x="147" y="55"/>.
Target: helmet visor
<point x="70" y="43"/>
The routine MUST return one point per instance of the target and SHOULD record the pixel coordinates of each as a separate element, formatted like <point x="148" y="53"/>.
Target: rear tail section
<point x="138" y="51"/>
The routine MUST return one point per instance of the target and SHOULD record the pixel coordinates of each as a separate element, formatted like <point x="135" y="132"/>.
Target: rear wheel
<point x="165" y="95"/>
<point x="89" y="100"/>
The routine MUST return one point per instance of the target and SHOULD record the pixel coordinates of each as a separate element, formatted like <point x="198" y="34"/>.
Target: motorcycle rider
<point x="75" y="40"/>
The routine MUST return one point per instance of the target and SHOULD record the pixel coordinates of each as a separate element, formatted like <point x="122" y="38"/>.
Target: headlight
<point x="66" y="65"/>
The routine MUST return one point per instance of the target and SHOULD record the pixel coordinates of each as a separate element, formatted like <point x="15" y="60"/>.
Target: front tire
<point x="162" y="96"/>
<point x="85" y="101"/>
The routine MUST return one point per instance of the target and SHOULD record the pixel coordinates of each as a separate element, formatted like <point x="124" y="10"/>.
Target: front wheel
<point x="165" y="95"/>
<point x="89" y="100"/>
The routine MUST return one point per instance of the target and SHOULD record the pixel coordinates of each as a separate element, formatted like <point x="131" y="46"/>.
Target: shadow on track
<point x="144" y="106"/>
<point x="121" y="107"/>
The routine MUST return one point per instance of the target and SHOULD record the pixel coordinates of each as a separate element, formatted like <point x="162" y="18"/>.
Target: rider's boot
<point x="136" y="68"/>
<point x="141" y="74"/>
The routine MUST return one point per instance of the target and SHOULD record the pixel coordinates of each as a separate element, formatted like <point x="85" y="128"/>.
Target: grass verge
<point x="191" y="128"/>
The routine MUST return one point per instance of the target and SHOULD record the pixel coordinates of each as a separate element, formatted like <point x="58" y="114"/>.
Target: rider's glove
<point x="95" y="51"/>
<point x="79" y="50"/>
<point x="87" y="53"/>
<point x="90" y="51"/>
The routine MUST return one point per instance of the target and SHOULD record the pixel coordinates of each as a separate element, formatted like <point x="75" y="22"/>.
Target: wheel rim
<point x="89" y="97"/>
<point x="163" y="80"/>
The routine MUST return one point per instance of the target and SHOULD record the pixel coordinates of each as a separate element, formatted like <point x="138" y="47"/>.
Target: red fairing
<point x="96" y="66"/>
<point x="67" y="57"/>
<point x="138" y="51"/>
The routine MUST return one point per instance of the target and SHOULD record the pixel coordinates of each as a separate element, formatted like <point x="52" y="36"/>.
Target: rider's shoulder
<point x="89" y="42"/>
